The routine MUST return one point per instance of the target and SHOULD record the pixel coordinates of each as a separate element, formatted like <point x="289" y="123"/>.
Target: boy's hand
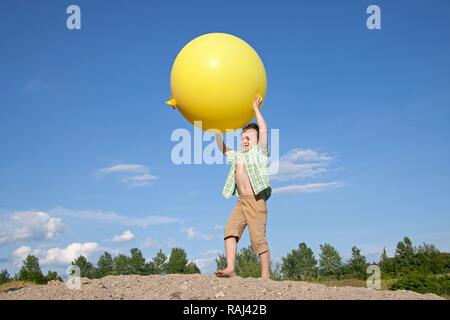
<point x="260" y="121"/>
<point x="257" y="102"/>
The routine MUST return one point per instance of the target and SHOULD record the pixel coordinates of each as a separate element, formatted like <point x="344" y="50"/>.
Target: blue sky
<point x="363" y="117"/>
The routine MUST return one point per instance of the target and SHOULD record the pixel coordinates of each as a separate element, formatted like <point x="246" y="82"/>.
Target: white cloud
<point x="302" y="163"/>
<point x="218" y="227"/>
<point x="29" y="225"/>
<point x="22" y="252"/>
<point x="309" y="187"/>
<point x="58" y="256"/>
<point x="127" y="236"/>
<point x="306" y="155"/>
<point x="64" y="256"/>
<point x="99" y="215"/>
<point x="138" y="181"/>
<point x="113" y="217"/>
<point x="150" y="243"/>
<point x="124" y="168"/>
<point x="192" y="234"/>
<point x="140" y="174"/>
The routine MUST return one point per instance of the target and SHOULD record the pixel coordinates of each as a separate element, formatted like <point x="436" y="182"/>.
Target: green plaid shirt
<point x="256" y="160"/>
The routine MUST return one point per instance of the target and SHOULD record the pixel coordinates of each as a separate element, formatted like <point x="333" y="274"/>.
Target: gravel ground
<point x="203" y="287"/>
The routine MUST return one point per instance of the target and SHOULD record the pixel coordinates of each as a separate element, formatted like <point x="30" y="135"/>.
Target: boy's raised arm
<point x="261" y="122"/>
<point x="222" y="147"/>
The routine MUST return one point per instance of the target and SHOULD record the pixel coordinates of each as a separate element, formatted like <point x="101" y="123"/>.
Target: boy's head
<point x="249" y="136"/>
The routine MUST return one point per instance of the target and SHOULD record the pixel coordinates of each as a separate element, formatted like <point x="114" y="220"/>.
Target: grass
<point x="343" y="283"/>
<point x="15" y="285"/>
<point x="385" y="283"/>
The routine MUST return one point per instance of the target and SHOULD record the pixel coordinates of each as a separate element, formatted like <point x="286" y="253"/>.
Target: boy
<point x="248" y="179"/>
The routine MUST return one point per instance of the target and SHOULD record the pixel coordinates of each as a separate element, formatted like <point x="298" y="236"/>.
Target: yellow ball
<point x="215" y="79"/>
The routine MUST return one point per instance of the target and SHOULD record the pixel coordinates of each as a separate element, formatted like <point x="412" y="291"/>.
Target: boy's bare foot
<point x="265" y="277"/>
<point x="225" y="273"/>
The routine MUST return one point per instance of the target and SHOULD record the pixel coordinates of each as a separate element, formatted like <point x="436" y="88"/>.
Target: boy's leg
<point x="255" y="211"/>
<point x="265" y="265"/>
<point x="233" y="231"/>
<point x="230" y="250"/>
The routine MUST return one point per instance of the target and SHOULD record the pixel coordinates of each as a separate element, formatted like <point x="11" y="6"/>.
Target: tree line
<point x="121" y="264"/>
<point x="300" y="264"/>
<point x="422" y="269"/>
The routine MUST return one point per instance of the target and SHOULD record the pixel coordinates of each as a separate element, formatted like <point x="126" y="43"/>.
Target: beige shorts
<point x="251" y="211"/>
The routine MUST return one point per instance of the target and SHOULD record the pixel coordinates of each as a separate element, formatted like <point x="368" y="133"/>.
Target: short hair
<point x="251" y="126"/>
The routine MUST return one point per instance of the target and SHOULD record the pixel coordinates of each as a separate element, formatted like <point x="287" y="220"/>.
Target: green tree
<point x="158" y="265"/>
<point x="357" y="265"/>
<point x="137" y="262"/>
<point x="4" y="276"/>
<point x="87" y="270"/>
<point x="150" y="268"/>
<point x="300" y="264"/>
<point x="446" y="258"/>
<point x="330" y="263"/>
<point x="430" y="260"/>
<point x="192" y="268"/>
<point x="121" y="265"/>
<point x="247" y="263"/>
<point x="386" y="264"/>
<point x="405" y="257"/>
<point x="423" y="283"/>
<point x="31" y="271"/>
<point x="178" y="262"/>
<point x="105" y="265"/>
<point x="52" y="275"/>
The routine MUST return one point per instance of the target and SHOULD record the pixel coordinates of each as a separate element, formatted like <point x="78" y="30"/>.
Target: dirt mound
<point x="191" y="287"/>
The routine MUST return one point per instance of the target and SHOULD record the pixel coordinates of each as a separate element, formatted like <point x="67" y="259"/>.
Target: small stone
<point x="219" y="294"/>
<point x="53" y="283"/>
<point x="176" y="295"/>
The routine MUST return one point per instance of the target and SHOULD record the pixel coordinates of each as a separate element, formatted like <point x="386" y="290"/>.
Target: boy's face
<point x="249" y="138"/>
